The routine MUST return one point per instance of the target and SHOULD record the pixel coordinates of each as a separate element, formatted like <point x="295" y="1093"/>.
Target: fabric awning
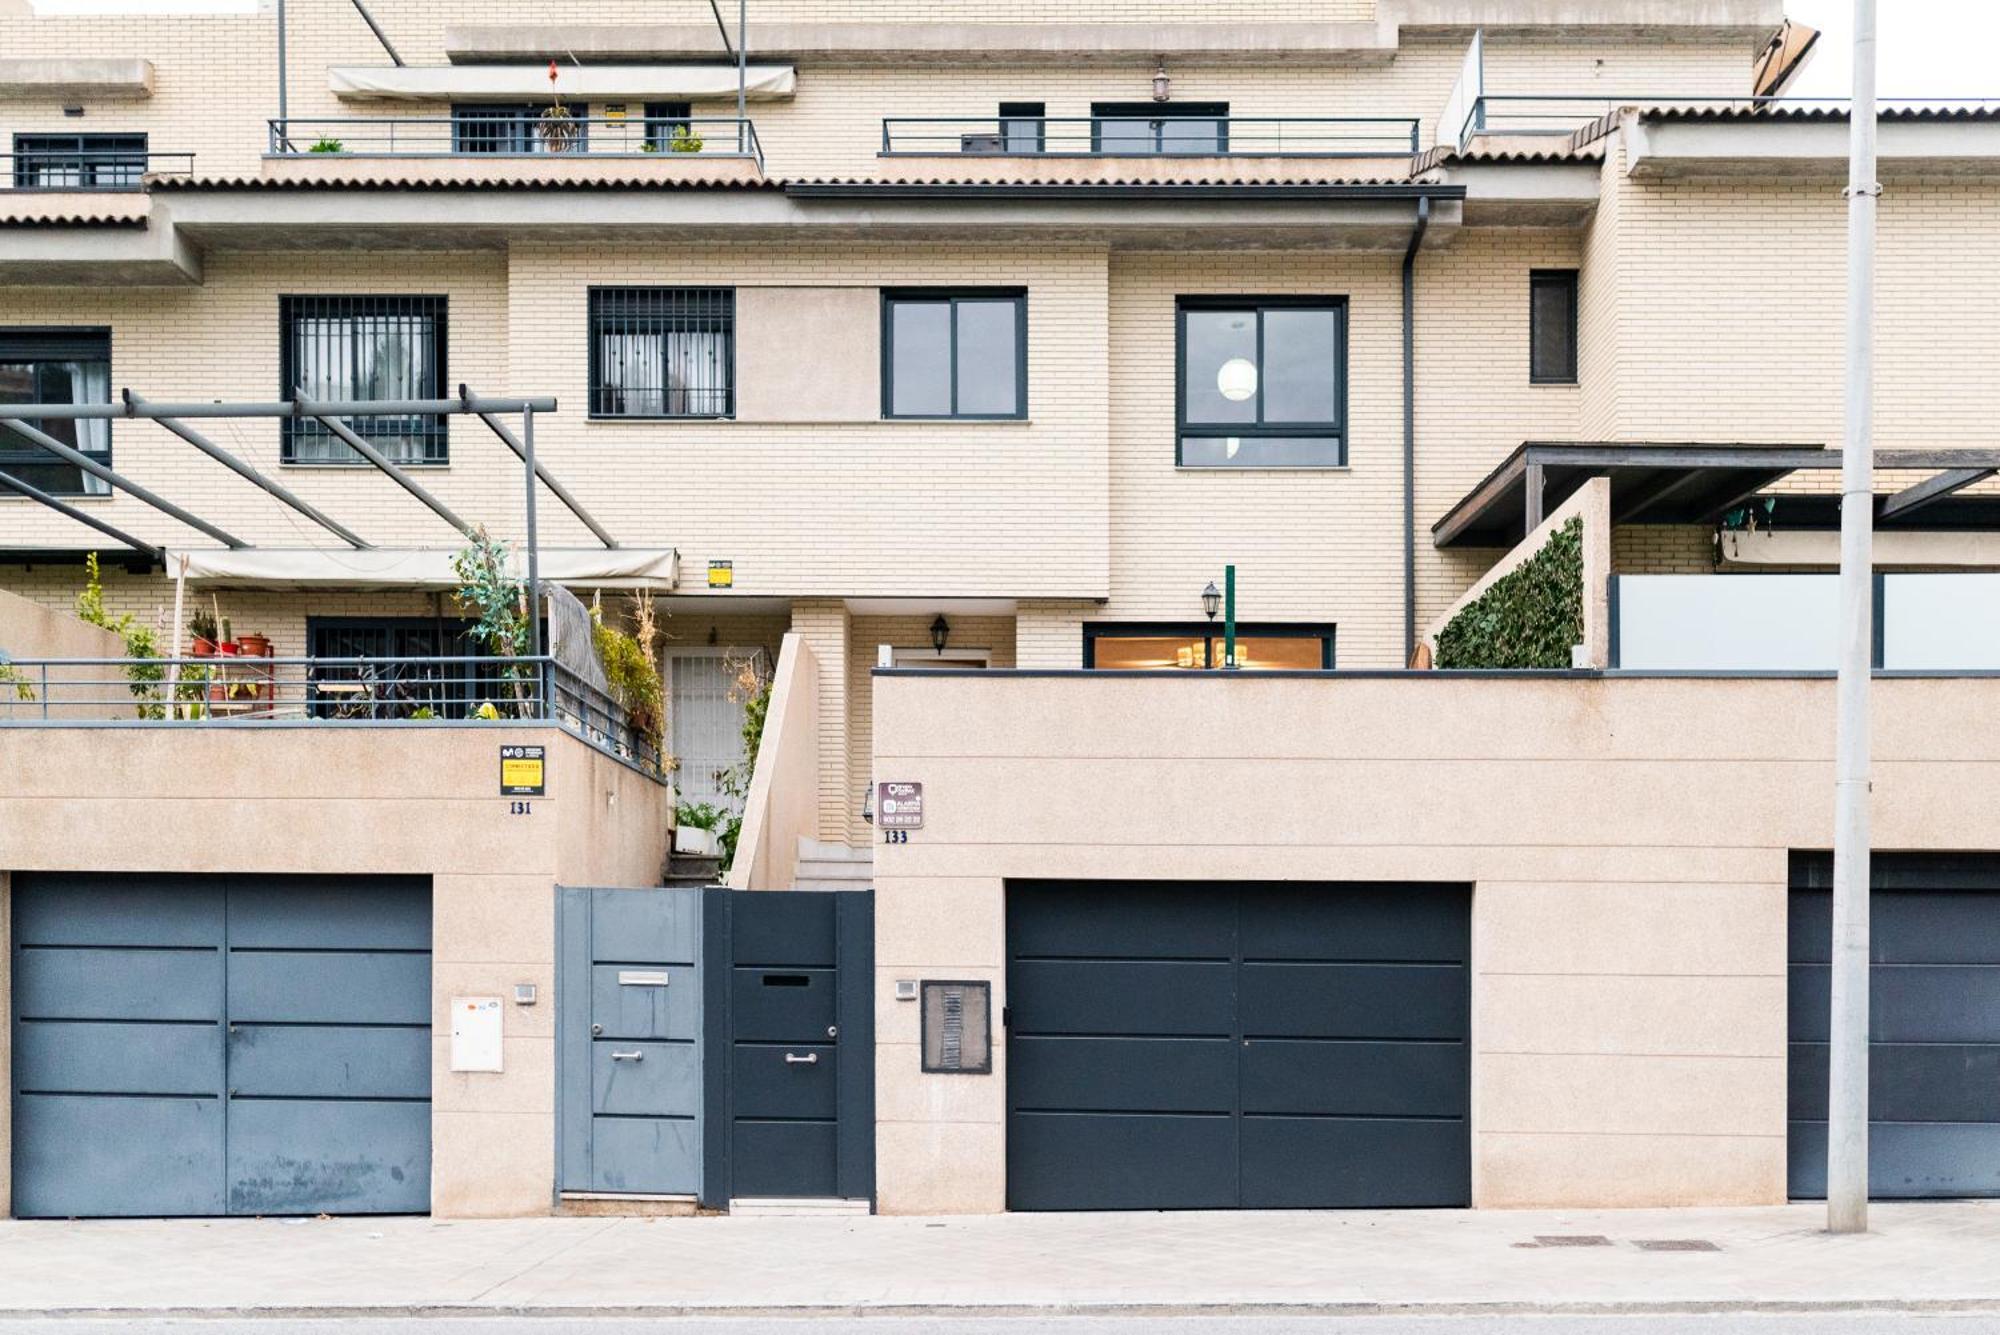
<point x="580" y="83"/>
<point x="418" y="568"/>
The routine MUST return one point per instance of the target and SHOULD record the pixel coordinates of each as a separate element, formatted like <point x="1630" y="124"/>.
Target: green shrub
<point x="1529" y="618"/>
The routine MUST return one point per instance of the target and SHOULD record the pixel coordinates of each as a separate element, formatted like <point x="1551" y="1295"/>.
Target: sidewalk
<point x="1930" y="1255"/>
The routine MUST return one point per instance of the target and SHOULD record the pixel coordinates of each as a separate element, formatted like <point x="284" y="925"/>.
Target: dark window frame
<point x="1159" y="113"/>
<point x="600" y="296"/>
<point x="1025" y="114"/>
<point x="1326" y="632"/>
<point x="433" y="431"/>
<point x="891" y="296"/>
<point x="1259" y="429"/>
<point x="522" y="121"/>
<point x="60" y="343"/>
<point x="86" y="155"/>
<point x="662" y="119"/>
<point x="1571" y="279"/>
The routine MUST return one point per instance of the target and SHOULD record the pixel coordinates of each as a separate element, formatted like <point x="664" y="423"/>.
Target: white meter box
<point x="475" y="1033"/>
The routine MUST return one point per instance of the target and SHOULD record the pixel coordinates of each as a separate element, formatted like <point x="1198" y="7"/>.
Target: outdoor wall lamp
<point x="940" y="632"/>
<point x="1163" y="87"/>
<point x="1211" y="600"/>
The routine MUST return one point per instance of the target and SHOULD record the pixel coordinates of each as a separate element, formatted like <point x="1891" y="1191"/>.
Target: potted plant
<point x="695" y="825"/>
<point x="202" y="631"/>
<point x="255" y="646"/>
<point x="327" y="144"/>
<point x="560" y="131"/>
<point x="227" y="645"/>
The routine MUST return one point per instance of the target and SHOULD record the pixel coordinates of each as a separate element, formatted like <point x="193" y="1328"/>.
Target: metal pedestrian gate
<point x="716" y="1043"/>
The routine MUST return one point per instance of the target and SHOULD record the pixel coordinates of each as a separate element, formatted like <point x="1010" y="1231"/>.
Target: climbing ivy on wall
<point x="1530" y="616"/>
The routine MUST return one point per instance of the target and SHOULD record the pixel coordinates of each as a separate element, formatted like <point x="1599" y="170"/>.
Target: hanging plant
<point x="560" y="131"/>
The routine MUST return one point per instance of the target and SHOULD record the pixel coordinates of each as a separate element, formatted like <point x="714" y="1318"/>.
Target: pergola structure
<point x="1699" y="484"/>
<point x="19" y="417"/>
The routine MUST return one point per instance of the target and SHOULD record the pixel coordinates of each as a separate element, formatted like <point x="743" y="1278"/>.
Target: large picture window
<point x="350" y="348"/>
<point x="955" y="354"/>
<point x="1262" y="382"/>
<point x="662" y="352"/>
<point x="79" y="161"/>
<point x="56" y="366"/>
<point x="1164" y="646"/>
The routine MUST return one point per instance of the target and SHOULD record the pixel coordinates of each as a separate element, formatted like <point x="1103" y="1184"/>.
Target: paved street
<point x="1349" y="1263"/>
<point x="1703" y="1324"/>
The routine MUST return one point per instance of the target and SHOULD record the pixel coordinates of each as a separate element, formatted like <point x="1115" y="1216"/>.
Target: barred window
<point x="79" y="161"/>
<point x="515" y="127"/>
<point x="662" y="352"/>
<point x="364" y="348"/>
<point x="56" y="366"/>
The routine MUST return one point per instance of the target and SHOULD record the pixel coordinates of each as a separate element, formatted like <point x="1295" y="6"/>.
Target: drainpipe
<point x="1410" y="428"/>
<point x="284" y="127"/>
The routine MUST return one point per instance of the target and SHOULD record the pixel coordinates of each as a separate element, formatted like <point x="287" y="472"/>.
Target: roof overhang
<point x="1678" y="484"/>
<point x="1808" y="144"/>
<point x="96" y="252"/>
<point x="116" y="78"/>
<point x="589" y="83"/>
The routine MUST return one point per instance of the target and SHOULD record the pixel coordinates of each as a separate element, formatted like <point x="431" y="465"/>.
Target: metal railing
<point x="88" y="169"/>
<point x="251" y="690"/>
<point x="1566" y="113"/>
<point x="529" y="137"/>
<point x="1163" y="136"/>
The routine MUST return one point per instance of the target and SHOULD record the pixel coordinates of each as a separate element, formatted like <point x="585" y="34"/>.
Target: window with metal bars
<point x="336" y="348"/>
<point x="515" y="127"/>
<point x="56" y="366"/>
<point x="666" y="121"/>
<point x="662" y="352"/>
<point x="79" y="161"/>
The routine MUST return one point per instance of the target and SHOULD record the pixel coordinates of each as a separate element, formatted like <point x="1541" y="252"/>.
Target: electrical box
<point x="475" y="1033"/>
<point x="958" y="1028"/>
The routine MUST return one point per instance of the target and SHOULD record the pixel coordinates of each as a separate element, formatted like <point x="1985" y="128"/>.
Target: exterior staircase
<point x="831" y="866"/>
<point x="684" y="869"/>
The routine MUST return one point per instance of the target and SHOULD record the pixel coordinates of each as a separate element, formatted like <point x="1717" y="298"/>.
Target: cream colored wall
<point x="370" y="800"/>
<point x="29" y="630"/>
<point x="1626" y="839"/>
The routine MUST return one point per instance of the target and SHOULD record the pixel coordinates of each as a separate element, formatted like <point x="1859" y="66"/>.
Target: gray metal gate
<point x="629" y="1063"/>
<point x="1192" y="1046"/>
<point x="1934" y="1025"/>
<point x="202" y="1045"/>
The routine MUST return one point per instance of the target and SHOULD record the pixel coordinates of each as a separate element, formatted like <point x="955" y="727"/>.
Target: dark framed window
<point x="955" y="353"/>
<point x="1174" y="646"/>
<point x="665" y="120"/>
<point x="1261" y="382"/>
<point x="1552" y="327"/>
<point x="514" y="127"/>
<point x="56" y="366"/>
<point x="662" y="352"/>
<point x="335" y="348"/>
<point x="398" y="690"/>
<point x="1024" y="127"/>
<point x="79" y="161"/>
<point x="1159" y="127"/>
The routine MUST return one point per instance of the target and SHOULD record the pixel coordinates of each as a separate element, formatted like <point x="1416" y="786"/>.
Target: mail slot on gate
<point x="642" y="978"/>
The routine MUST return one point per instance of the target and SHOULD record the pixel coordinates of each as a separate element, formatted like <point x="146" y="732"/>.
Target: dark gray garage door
<point x="1220" y="1046"/>
<point x="1934" y="1025"/>
<point x="205" y="1045"/>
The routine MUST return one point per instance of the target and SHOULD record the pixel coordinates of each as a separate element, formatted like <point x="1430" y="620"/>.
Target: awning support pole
<point x="548" y="479"/>
<point x="99" y="471"/>
<point x="304" y="408"/>
<point x="534" y="565"/>
<point x="242" y="469"/>
<point x="62" y="507"/>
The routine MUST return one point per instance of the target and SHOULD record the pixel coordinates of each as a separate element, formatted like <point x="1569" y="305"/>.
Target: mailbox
<point x="958" y="1027"/>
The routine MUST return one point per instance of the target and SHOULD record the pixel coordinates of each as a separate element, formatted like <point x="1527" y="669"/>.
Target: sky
<point x="1928" y="49"/>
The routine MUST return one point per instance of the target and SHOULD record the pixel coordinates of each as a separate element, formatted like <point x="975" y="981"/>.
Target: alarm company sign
<point x="899" y="806"/>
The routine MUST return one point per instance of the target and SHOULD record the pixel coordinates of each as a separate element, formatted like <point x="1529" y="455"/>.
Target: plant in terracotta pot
<point x="227" y="644"/>
<point x="202" y="632"/>
<point x="255" y="646"/>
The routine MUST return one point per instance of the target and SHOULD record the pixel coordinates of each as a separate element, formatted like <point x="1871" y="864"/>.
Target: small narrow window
<point x="955" y="354"/>
<point x="56" y="366"/>
<point x="1024" y="127"/>
<point x="670" y="127"/>
<point x="662" y="352"/>
<point x="337" y="349"/>
<point x="1552" y="327"/>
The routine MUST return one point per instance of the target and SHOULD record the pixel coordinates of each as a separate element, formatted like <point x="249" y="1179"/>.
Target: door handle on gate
<point x="810" y="1059"/>
<point x="628" y="1056"/>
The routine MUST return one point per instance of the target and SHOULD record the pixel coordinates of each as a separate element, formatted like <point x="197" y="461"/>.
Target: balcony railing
<point x="250" y="691"/>
<point x="516" y="137"/>
<point x="88" y="169"/>
<point x="1564" y="113"/>
<point x="1927" y="623"/>
<point x="1163" y="136"/>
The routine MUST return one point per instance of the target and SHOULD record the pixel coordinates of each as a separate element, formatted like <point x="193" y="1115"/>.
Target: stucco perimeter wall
<point x="1626" y="839"/>
<point x="357" y="800"/>
<point x="29" y="630"/>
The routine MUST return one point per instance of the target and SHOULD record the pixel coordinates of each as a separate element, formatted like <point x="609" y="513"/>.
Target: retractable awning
<point x="416" y="568"/>
<point x="581" y="83"/>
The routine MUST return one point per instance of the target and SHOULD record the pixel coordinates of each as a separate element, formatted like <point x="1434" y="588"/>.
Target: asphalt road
<point x="1865" y="1323"/>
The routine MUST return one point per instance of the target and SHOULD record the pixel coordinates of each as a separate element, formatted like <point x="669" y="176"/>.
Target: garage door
<point x="203" y="1045"/>
<point x="1253" y="1046"/>
<point x="1934" y="1025"/>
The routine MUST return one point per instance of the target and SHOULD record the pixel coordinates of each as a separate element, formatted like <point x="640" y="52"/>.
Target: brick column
<point x="824" y="625"/>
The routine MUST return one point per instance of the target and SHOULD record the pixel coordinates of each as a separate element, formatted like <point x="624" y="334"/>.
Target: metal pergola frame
<point x="489" y="409"/>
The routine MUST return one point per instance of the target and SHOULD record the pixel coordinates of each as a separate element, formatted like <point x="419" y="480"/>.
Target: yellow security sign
<point x="523" y="771"/>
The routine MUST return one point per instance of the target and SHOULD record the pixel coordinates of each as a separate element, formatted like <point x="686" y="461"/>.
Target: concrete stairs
<point x="831" y="866"/>
<point x="683" y="869"/>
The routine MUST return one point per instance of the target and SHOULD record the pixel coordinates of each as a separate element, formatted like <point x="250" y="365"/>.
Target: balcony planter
<point x="255" y="646"/>
<point x="203" y="647"/>
<point x="696" y="842"/>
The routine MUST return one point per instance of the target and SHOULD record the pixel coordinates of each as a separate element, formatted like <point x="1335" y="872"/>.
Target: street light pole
<point x="1847" y="1084"/>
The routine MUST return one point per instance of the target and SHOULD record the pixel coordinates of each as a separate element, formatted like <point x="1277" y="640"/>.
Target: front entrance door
<point x="629" y="1009"/>
<point x="707" y="724"/>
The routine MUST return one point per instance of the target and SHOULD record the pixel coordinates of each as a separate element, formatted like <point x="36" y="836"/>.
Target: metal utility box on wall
<point x="957" y="1028"/>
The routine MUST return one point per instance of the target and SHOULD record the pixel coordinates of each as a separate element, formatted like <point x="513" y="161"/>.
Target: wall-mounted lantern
<point x="1163" y="87"/>
<point x="940" y="633"/>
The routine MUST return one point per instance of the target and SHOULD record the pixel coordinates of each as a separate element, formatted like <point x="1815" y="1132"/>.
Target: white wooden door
<point x="707" y="726"/>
